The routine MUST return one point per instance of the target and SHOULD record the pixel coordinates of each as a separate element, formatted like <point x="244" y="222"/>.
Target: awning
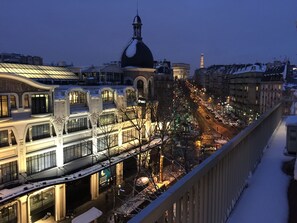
<point x="87" y="216"/>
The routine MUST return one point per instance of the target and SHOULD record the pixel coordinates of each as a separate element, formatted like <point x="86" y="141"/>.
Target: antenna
<point x="137" y="6"/>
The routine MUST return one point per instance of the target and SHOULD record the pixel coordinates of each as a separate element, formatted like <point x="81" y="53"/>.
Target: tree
<point x="107" y="142"/>
<point x="137" y="122"/>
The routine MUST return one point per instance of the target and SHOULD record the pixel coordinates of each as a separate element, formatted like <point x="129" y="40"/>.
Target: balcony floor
<point x="265" y="200"/>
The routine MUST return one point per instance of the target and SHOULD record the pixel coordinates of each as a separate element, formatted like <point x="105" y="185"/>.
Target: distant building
<point x="251" y="89"/>
<point x="20" y="59"/>
<point x="181" y="71"/>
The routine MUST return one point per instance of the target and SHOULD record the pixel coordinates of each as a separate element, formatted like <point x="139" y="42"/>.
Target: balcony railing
<point x="210" y="191"/>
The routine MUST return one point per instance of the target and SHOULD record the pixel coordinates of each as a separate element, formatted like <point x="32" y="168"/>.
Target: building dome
<point x="137" y="54"/>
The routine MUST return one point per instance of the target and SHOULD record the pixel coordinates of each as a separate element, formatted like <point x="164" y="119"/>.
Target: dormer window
<point x="107" y="96"/>
<point x="77" y="97"/>
<point x="40" y="103"/>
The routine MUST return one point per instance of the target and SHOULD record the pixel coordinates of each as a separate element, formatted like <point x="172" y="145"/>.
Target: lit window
<point x="3" y="106"/>
<point x="12" y="101"/>
<point x="41" y="162"/>
<point x="26" y="101"/>
<point x="77" y="97"/>
<point x="106" y="119"/>
<point x="77" y="124"/>
<point x="107" y="96"/>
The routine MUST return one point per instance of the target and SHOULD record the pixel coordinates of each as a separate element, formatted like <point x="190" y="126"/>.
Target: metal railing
<point x="210" y="191"/>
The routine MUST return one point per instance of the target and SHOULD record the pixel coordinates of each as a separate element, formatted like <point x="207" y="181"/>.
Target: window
<point x="77" y="97"/>
<point x="41" y="162"/>
<point x="131" y="96"/>
<point x="26" y="101"/>
<point x="40" y="104"/>
<point x="140" y="87"/>
<point x="109" y="77"/>
<point x="9" y="213"/>
<point x="107" y="96"/>
<point x="12" y="101"/>
<point x="40" y="132"/>
<point x="4" y="138"/>
<point x="42" y="201"/>
<point x="130" y="115"/>
<point x="8" y="172"/>
<point x="107" y="142"/>
<point x="106" y="119"/>
<point x="129" y="135"/>
<point x="77" y="124"/>
<point x="7" y="138"/>
<point x="77" y="151"/>
<point x="4" y="106"/>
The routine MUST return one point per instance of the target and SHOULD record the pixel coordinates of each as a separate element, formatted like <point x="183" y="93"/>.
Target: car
<point x="207" y="117"/>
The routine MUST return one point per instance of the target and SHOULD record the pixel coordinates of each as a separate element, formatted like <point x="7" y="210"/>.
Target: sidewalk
<point x="265" y="200"/>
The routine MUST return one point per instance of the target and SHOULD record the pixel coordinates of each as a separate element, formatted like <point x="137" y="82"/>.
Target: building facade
<point x="61" y="132"/>
<point x="251" y="89"/>
<point x="20" y="59"/>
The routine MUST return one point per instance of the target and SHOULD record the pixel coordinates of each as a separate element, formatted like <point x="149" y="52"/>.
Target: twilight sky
<point x="86" y="32"/>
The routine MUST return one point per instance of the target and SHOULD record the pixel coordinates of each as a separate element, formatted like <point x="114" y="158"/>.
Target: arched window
<point x="107" y="96"/>
<point x="140" y="87"/>
<point x="77" y="97"/>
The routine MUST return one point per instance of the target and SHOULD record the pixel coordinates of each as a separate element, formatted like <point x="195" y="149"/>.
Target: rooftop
<point x="265" y="198"/>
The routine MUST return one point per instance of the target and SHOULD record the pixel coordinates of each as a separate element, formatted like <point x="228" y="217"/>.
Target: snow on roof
<point x="251" y="68"/>
<point x="291" y="120"/>
<point x="131" y="50"/>
<point x="265" y="199"/>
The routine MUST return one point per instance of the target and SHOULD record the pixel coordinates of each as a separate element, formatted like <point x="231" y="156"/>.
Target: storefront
<point x="42" y="203"/>
<point x="9" y="213"/>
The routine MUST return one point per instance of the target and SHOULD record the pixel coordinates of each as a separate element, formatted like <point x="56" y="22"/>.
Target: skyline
<point x="97" y="32"/>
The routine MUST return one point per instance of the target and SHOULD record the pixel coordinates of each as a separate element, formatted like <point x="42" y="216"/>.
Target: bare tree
<point x="107" y="143"/>
<point x="163" y="119"/>
<point x="137" y="132"/>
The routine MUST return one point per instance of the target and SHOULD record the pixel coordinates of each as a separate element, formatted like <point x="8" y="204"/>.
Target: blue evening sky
<point x="86" y="32"/>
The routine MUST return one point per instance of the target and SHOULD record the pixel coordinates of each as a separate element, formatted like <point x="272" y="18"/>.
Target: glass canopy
<point x="39" y="72"/>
